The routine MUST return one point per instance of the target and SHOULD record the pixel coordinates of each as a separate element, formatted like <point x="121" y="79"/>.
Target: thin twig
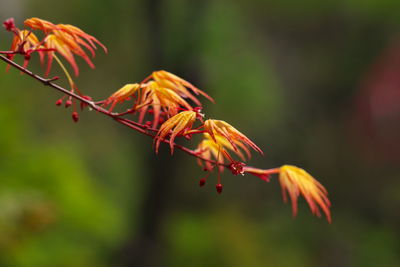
<point x="144" y="129"/>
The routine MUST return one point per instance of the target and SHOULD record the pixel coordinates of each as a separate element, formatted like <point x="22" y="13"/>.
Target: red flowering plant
<point x="164" y="107"/>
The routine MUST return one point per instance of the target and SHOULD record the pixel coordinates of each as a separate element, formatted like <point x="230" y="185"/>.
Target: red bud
<point x="75" y="116"/>
<point x="59" y="102"/>
<point x="219" y="188"/>
<point x="236" y="167"/>
<point x="68" y="103"/>
<point x="202" y="182"/>
<point x="9" y="24"/>
<point x="83" y="104"/>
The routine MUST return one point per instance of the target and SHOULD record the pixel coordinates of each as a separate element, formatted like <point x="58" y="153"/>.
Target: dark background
<point x="314" y="83"/>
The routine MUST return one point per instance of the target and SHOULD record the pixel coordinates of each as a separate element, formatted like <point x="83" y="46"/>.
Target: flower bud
<point x="236" y="167"/>
<point x="83" y="104"/>
<point x="9" y="24"/>
<point x="75" y="116"/>
<point x="219" y="188"/>
<point x="59" y="102"/>
<point x="68" y="103"/>
<point x="202" y="182"/>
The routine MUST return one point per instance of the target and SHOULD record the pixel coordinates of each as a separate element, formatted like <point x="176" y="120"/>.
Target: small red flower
<point x="237" y="167"/>
<point x="9" y="24"/>
<point x="68" y="103"/>
<point x="75" y="116"/>
<point x="83" y="104"/>
<point x="202" y="182"/>
<point x="219" y="188"/>
<point x="59" y="102"/>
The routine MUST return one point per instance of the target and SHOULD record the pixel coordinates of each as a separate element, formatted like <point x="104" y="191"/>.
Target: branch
<point x="143" y="129"/>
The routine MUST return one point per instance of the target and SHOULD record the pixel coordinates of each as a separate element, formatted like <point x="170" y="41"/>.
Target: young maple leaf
<point x="210" y="150"/>
<point x="66" y="40"/>
<point x="25" y="41"/>
<point x="121" y="95"/>
<point x="175" y="125"/>
<point x="221" y="128"/>
<point x="161" y="99"/>
<point x="40" y="24"/>
<point x="77" y="34"/>
<point x="179" y="85"/>
<point x="297" y="181"/>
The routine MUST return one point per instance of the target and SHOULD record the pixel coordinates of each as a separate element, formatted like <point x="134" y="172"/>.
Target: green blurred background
<point x="314" y="83"/>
